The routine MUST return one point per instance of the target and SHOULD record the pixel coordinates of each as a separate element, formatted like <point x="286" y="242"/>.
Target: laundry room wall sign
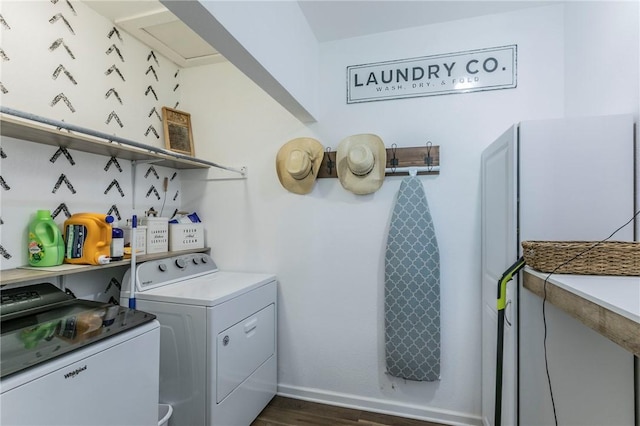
<point x="461" y="72"/>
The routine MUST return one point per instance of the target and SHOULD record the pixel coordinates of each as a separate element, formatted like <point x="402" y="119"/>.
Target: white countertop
<point x="618" y="294"/>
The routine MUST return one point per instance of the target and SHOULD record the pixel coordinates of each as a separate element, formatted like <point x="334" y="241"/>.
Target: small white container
<point x="141" y="238"/>
<point x="185" y="236"/>
<point x="157" y="234"/>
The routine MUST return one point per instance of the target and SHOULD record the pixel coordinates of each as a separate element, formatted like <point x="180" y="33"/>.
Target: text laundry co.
<point x="485" y="69"/>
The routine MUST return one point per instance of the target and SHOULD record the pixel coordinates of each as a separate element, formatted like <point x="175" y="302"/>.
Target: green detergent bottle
<point x="46" y="245"/>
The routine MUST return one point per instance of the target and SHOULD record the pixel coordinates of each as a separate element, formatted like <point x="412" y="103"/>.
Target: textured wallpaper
<point x="61" y="60"/>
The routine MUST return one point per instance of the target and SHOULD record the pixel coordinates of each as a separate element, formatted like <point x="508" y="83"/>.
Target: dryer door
<point x="242" y="348"/>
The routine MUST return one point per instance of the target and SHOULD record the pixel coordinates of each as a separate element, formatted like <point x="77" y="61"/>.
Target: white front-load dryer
<point x="218" y="352"/>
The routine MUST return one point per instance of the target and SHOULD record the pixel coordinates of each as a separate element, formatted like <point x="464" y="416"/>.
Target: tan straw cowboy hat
<point x="361" y="163"/>
<point x="297" y="164"/>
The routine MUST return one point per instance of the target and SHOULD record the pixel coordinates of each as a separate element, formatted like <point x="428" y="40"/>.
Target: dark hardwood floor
<point x="294" y="412"/>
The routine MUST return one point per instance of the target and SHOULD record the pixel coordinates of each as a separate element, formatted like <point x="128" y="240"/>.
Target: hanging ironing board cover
<point x="412" y="288"/>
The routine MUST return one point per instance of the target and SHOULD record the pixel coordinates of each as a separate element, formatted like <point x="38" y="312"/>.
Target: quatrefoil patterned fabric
<point x="412" y="288"/>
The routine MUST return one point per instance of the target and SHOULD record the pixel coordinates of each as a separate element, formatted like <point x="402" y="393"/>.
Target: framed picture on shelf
<point x="177" y="131"/>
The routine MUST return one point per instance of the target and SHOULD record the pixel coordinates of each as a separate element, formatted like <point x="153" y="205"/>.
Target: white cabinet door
<point x="499" y="251"/>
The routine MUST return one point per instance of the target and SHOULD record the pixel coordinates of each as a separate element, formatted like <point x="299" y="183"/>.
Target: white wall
<point x="263" y="25"/>
<point x="601" y="57"/>
<point x="256" y="36"/>
<point x="327" y="247"/>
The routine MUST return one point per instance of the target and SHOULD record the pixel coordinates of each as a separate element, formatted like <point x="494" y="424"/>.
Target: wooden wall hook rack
<point x="418" y="156"/>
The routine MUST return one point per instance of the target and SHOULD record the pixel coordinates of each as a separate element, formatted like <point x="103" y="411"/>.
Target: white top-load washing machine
<point x="67" y="361"/>
<point x="218" y="354"/>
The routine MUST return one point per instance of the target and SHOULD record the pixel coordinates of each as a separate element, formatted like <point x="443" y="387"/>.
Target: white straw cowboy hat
<point x="361" y="163"/>
<point x="297" y="163"/>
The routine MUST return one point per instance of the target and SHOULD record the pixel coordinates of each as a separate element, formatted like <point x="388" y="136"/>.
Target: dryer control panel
<point x="158" y="273"/>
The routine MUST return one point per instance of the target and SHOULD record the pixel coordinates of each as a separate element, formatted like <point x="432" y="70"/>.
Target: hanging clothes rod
<point x="113" y="138"/>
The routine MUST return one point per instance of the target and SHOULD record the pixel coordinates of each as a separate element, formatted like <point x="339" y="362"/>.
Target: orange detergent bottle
<point x="87" y="239"/>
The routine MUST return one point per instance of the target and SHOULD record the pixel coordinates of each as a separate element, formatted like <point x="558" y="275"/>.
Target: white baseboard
<point x="382" y="406"/>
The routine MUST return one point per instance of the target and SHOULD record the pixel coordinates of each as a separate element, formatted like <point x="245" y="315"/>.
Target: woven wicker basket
<point x="583" y="257"/>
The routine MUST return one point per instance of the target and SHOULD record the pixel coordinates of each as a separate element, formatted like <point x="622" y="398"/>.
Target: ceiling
<point x="154" y="25"/>
<point x="334" y="19"/>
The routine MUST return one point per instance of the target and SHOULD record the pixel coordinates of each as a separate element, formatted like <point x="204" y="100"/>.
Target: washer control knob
<point x="196" y="260"/>
<point x="180" y="263"/>
<point x="162" y="267"/>
<point x="204" y="259"/>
